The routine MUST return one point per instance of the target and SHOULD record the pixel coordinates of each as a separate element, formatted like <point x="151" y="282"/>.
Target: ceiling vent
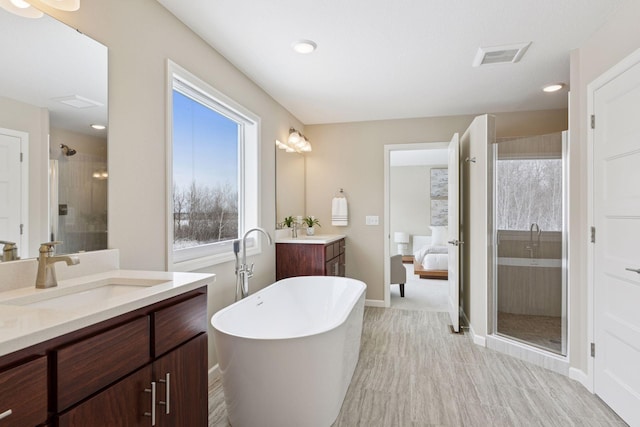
<point x="77" y="101"/>
<point x="500" y="54"/>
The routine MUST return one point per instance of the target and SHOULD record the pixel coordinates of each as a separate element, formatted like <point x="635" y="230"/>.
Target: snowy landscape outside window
<point x="213" y="150"/>
<point x="529" y="191"/>
<point x="205" y="174"/>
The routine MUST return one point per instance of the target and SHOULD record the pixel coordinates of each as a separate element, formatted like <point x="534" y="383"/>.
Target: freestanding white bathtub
<point x="288" y="352"/>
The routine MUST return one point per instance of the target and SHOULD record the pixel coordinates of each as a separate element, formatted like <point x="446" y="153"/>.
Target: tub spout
<point x="243" y="271"/>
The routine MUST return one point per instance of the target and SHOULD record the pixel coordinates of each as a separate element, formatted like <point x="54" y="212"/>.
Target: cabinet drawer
<point x="328" y="251"/>
<point x="84" y="367"/>
<point x="23" y="394"/>
<point x="178" y="323"/>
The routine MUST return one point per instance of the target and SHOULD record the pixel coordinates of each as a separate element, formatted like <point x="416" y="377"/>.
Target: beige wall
<point x="618" y="38"/>
<point x="410" y="202"/>
<point x="34" y="121"/>
<point x="82" y="143"/>
<point x="141" y="35"/>
<point x="351" y="156"/>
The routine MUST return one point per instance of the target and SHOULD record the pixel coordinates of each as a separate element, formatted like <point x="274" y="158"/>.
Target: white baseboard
<point x="477" y="339"/>
<point x="374" y="303"/>
<point x="214" y="373"/>
<point x="581" y="377"/>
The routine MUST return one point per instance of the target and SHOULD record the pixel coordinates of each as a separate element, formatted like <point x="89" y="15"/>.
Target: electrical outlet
<point x="372" y="220"/>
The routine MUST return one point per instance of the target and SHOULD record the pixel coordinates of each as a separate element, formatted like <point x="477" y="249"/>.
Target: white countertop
<point x="318" y="239"/>
<point x="24" y="326"/>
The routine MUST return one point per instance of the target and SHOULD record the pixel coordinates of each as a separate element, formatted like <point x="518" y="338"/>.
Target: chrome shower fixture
<point x="66" y="150"/>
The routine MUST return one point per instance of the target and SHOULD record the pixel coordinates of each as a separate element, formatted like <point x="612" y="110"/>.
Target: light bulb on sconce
<point x="296" y="143"/>
<point x="21" y="8"/>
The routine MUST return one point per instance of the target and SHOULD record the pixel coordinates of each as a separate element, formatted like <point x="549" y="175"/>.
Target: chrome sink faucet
<point x="243" y="271"/>
<point x="46" y="277"/>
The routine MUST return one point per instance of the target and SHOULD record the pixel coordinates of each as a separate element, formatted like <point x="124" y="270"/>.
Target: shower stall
<point x="529" y="240"/>
<point x="78" y="199"/>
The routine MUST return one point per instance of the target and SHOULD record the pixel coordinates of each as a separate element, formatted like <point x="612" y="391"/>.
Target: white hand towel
<point x="339" y="212"/>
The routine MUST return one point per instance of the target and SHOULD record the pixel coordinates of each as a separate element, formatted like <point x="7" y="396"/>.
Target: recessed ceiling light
<point x="553" y="87"/>
<point x="98" y="127"/>
<point x="304" y="46"/>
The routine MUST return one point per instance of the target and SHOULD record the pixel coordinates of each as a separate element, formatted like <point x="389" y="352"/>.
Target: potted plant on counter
<point x="288" y="222"/>
<point x="311" y="221"/>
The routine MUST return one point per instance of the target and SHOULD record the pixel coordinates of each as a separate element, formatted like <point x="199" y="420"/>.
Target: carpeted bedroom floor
<point x="420" y="294"/>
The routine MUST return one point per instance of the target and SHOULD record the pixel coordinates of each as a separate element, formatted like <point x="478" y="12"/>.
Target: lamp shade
<point x="401" y="237"/>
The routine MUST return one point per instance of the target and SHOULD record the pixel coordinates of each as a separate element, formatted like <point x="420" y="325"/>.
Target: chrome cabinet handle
<point x="167" y="393"/>
<point x="635" y="270"/>
<point x="5" y="414"/>
<point x="152" y="414"/>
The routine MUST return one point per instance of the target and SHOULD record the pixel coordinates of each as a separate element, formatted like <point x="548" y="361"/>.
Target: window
<point x="213" y="152"/>
<point x="529" y="191"/>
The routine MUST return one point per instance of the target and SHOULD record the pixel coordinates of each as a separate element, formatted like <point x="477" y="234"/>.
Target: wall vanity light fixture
<point x="296" y="142"/>
<point x="20" y="8"/>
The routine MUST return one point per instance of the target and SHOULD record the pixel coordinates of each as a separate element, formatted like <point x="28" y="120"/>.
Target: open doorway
<point x="416" y="220"/>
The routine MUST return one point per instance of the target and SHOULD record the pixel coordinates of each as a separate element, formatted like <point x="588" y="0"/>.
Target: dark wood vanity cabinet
<point x="23" y="394"/>
<point x="178" y="400"/>
<point x="121" y="372"/>
<point x="304" y="259"/>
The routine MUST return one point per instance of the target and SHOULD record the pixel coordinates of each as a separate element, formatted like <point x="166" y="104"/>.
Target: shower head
<point x="66" y="150"/>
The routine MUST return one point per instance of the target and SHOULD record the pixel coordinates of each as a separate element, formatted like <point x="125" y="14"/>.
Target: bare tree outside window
<point x="528" y="191"/>
<point x="205" y="171"/>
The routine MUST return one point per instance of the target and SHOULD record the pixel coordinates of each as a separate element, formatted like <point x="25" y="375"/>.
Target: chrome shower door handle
<point x="635" y="270"/>
<point x="455" y="242"/>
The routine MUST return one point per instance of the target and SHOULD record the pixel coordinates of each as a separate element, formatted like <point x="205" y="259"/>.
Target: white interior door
<point x="10" y="189"/>
<point x="454" y="232"/>
<point x="616" y="273"/>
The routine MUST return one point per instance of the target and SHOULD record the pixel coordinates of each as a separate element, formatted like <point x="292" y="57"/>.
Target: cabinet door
<point x="182" y="385"/>
<point x="332" y="268"/>
<point x="122" y="405"/>
<point x="23" y="394"/>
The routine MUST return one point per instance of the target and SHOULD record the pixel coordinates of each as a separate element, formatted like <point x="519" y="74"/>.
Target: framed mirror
<point x="53" y="163"/>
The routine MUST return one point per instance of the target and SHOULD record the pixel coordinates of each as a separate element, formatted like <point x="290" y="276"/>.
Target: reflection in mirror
<point x="53" y="87"/>
<point x="290" y="184"/>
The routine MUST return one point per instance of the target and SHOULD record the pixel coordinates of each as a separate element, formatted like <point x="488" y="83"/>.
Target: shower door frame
<point x="493" y="288"/>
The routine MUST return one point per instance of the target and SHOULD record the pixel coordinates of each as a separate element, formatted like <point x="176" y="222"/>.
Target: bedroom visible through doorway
<point x="417" y="221"/>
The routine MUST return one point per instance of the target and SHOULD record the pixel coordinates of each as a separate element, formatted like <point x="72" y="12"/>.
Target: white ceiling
<point x="43" y="59"/>
<point x="383" y="59"/>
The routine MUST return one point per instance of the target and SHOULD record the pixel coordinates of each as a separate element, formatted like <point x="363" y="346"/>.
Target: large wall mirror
<point x="53" y="88"/>
<point x="290" y="184"/>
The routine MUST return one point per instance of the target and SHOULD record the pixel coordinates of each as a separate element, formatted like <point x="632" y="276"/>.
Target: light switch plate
<point x="372" y="220"/>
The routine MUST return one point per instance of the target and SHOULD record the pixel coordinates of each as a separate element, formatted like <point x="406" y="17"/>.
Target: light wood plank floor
<point x="413" y="372"/>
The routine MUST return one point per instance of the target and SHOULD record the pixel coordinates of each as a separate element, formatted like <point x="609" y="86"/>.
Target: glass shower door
<point x="530" y="239"/>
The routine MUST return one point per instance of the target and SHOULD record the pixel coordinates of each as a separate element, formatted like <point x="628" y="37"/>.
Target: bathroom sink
<point x="83" y="294"/>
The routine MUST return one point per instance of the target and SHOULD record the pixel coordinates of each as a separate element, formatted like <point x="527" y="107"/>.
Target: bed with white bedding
<point x="430" y="254"/>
